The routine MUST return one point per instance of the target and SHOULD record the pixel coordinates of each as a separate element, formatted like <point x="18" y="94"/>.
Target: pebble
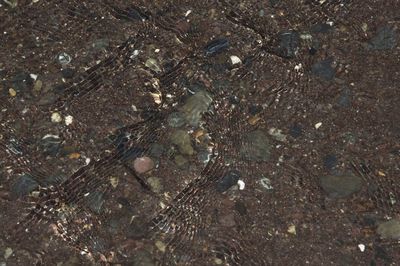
<point x="101" y="44"/>
<point x="266" y="183"/>
<point x="12" y="92"/>
<point x="195" y="106"/>
<point x="64" y="58"/>
<point x="384" y="39"/>
<point x="38" y="85"/>
<point x="155" y="184"/>
<point x="153" y="65"/>
<point x="176" y="119"/>
<point x="68" y="73"/>
<point x="324" y="69"/>
<point x="216" y="46"/>
<point x="22" y="81"/>
<point x="56" y="117"/>
<point x="230" y="179"/>
<point x="292" y="229"/>
<point x="344" y="99"/>
<point x="23" y="186"/>
<point x="241" y="184"/>
<point x="95" y="201"/>
<point x="295" y="131"/>
<point x="160" y="246"/>
<point x="340" y="186"/>
<point x="157" y="150"/>
<point x="235" y="60"/>
<point x="256" y="146"/>
<point x="289" y="44"/>
<point x="389" y="229"/>
<point x="7" y="253"/>
<point x="361" y="247"/>
<point x="277" y="134"/>
<point x="68" y="120"/>
<point x="182" y="139"/>
<point x="143" y="164"/>
<point x="50" y="144"/>
<point x="330" y="161"/>
<point x="318" y="125"/>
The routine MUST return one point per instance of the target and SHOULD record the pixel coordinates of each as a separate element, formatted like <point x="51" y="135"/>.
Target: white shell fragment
<point x="318" y="125"/>
<point x="68" y="120"/>
<point x="241" y="184"/>
<point x="235" y="60"/>
<point x="361" y="247"/>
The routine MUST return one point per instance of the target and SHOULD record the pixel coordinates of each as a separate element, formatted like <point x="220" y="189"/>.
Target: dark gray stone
<point x="289" y="43"/>
<point x="384" y="39"/>
<point x="341" y="186"/>
<point x="23" y="186"/>
<point x="228" y="180"/>
<point x="176" y="119"/>
<point x="324" y="69"/>
<point x="256" y="146"/>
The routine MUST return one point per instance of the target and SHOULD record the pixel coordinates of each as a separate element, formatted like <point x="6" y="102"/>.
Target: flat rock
<point x="389" y="229"/>
<point x="256" y="146"/>
<point x="340" y="186"/>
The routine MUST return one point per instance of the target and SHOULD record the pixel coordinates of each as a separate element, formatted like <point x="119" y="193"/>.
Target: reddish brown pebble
<point x="143" y="164"/>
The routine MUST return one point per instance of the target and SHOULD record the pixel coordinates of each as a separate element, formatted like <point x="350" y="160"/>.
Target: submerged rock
<point x="340" y="186"/>
<point x="216" y="46"/>
<point x="389" y="229"/>
<point x="228" y="180"/>
<point x="195" y="106"/>
<point x="324" y="69"/>
<point x="384" y="39"/>
<point x="256" y="146"/>
<point x="182" y="139"/>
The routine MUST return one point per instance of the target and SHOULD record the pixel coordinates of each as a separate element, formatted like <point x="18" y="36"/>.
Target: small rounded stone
<point x="143" y="164"/>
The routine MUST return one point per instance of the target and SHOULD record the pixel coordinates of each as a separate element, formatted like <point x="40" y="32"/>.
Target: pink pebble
<point x="143" y="164"/>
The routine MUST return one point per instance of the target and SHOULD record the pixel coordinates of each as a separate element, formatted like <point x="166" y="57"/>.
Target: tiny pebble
<point x="56" y="117"/>
<point x="318" y="125"/>
<point x="33" y="76"/>
<point x="361" y="247"/>
<point x="68" y="120"/>
<point x="114" y="181"/>
<point x="241" y="184"/>
<point x="74" y="155"/>
<point x="8" y="252"/>
<point x="12" y="92"/>
<point x="292" y="229"/>
<point x="235" y="60"/>
<point x="38" y="85"/>
<point x="160" y="245"/>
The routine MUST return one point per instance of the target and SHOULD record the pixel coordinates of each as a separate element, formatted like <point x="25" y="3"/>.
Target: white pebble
<point x="188" y="12"/>
<point x="235" y="60"/>
<point x="318" y="125"/>
<point x="33" y="76"/>
<point x="361" y="247"/>
<point x="56" y="117"/>
<point x="241" y="184"/>
<point x="68" y="120"/>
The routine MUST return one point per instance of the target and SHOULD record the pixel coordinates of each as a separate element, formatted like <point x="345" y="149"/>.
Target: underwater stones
<point x="228" y="180"/>
<point x="23" y="186"/>
<point x="176" y="119"/>
<point x="324" y="69"/>
<point x="340" y="186"/>
<point x="389" y="229"/>
<point x="384" y="39"/>
<point x="216" y="46"/>
<point x="181" y="161"/>
<point x="143" y="164"/>
<point x="195" y="106"/>
<point x="289" y="42"/>
<point x="182" y="139"/>
<point x="256" y="146"/>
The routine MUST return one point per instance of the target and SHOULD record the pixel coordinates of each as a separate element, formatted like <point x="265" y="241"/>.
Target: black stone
<point x="323" y="69"/>
<point x="330" y="161"/>
<point x="295" y="131"/>
<point x="68" y="73"/>
<point x="312" y="51"/>
<point x="216" y="46"/>
<point x="289" y="42"/>
<point x="50" y="145"/>
<point x="321" y="28"/>
<point x="230" y="179"/>
<point x="255" y="109"/>
<point x="22" y="81"/>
